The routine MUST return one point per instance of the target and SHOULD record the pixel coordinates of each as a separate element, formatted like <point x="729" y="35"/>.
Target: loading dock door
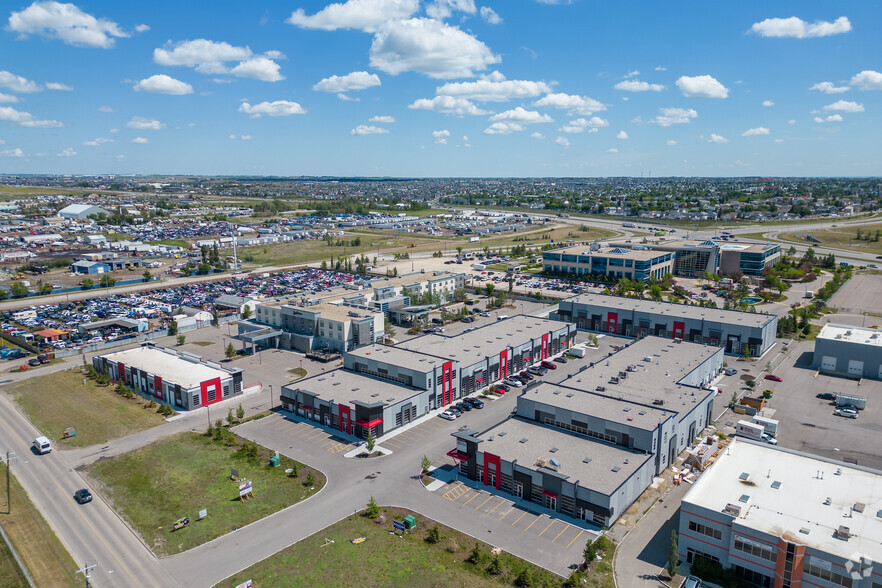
<point x="828" y="363"/>
<point x="855" y="367"/>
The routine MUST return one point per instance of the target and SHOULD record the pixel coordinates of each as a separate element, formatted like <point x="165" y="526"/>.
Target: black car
<point x="826" y="396"/>
<point x="560" y="359"/>
<point x="83" y="496"/>
<point x="33" y="362"/>
<point x="454" y="410"/>
<point x="474" y="402"/>
<point x="468" y="319"/>
<point x="463" y="406"/>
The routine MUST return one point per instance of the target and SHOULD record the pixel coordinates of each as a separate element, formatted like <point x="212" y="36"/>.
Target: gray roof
<point x="397" y="355"/>
<point x="527" y="441"/>
<point x="649" y="381"/>
<point x="344" y="387"/>
<point x="675" y="311"/>
<point x="230" y="300"/>
<point x="600" y="405"/>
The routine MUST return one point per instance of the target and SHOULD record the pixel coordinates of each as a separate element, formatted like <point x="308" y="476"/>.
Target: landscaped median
<point x="158" y="485"/>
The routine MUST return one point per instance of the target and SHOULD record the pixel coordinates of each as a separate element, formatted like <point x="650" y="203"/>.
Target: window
<point x="754" y="548"/>
<point x="705" y="530"/>
<point x="828" y="575"/>
<point x="211" y="396"/>
<point x="195" y="400"/>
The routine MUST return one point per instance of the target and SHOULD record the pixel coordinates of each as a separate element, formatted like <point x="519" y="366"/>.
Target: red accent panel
<point x="547" y="493"/>
<point x="489" y="459"/>
<point x="796" y="574"/>
<point x="545" y="346"/>
<point x="372" y="423"/>
<point x="157" y="386"/>
<point x="342" y="409"/>
<point x="503" y="364"/>
<point x="446" y="383"/>
<point x="679" y="329"/>
<point x="121" y="371"/>
<point x="612" y="322"/>
<point x="204" y="386"/>
<point x="458" y="455"/>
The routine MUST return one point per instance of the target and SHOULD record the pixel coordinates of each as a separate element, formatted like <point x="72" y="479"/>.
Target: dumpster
<point x="409" y="522"/>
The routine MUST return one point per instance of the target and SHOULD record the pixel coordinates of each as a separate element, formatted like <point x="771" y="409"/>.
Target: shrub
<point x="495" y="568"/>
<point x="240" y="412"/>
<point x="434" y="535"/>
<point x="151" y="404"/>
<point x="475" y="556"/>
<point x="310" y="479"/>
<point x="524" y="578"/>
<point x="373" y="509"/>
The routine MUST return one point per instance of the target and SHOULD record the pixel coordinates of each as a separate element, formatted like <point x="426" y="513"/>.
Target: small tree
<point x="370" y="442"/>
<point x="147" y="275"/>
<point x="475" y="555"/>
<point x="240" y="412"/>
<point x="673" y="556"/>
<point x="88" y="283"/>
<point x="425" y="463"/>
<point x="230" y="417"/>
<point x="495" y="568"/>
<point x="524" y="578"/>
<point x="173" y="328"/>
<point x="295" y="470"/>
<point x="310" y="479"/>
<point x="373" y="509"/>
<point x="589" y="553"/>
<point x="18" y="290"/>
<point x="246" y="312"/>
<point x="230" y="352"/>
<point x="182" y="339"/>
<point x="45" y="288"/>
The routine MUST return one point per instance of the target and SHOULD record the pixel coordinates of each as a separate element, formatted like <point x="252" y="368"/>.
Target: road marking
<point x="506" y="512"/>
<point x="562" y="532"/>
<point x="574" y="538"/>
<point x="311" y="437"/>
<point x="519" y="518"/>
<point x="497" y="506"/>
<point x="546" y="528"/>
<point x="485" y="502"/>
<point x="472" y="498"/>
<point x="533" y="523"/>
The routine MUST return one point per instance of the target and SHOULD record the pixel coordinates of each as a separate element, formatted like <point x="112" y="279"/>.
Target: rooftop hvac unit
<point x="843" y="532"/>
<point x="732" y="510"/>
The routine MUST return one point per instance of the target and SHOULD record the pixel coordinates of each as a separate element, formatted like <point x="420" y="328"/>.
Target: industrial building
<point x="855" y="352"/>
<point x="732" y="330"/>
<point x="779" y="517"/>
<point x="613" y="263"/>
<point x="590" y="444"/>
<point x="80" y="211"/>
<point x="381" y="388"/>
<point x="184" y="380"/>
<point x="89" y="267"/>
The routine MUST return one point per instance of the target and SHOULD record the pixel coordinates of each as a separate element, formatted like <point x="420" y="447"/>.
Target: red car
<point x="774" y="378"/>
<point x="548" y="365"/>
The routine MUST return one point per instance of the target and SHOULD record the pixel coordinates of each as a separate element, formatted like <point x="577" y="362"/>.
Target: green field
<point x="384" y="559"/>
<point x="177" y="477"/>
<point x="840" y="238"/>
<point x="64" y="399"/>
<point x="42" y="554"/>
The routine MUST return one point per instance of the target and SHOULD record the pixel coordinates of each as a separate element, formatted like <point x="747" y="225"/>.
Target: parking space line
<point x="472" y="498"/>
<point x="566" y="528"/>
<point x="497" y="506"/>
<point x="506" y="512"/>
<point x="574" y="538"/>
<point x="310" y="438"/>
<point x="485" y="502"/>
<point x="328" y="442"/>
<point x="519" y="518"/>
<point x="533" y="523"/>
<point x="548" y="527"/>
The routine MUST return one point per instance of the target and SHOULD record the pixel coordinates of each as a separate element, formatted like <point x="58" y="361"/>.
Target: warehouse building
<point x="80" y="211"/>
<point x="184" y="380"/>
<point x="381" y="388"/>
<point x="779" y="517"/>
<point x="613" y="263"/>
<point x="855" y="352"/>
<point x="732" y="330"/>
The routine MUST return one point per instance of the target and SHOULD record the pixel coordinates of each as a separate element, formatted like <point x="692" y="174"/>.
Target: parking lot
<point x="304" y="432"/>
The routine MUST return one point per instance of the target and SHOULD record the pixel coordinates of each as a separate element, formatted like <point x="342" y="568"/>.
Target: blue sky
<point x="442" y="88"/>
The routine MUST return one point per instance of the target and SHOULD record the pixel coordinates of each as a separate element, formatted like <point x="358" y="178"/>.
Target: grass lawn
<point x="841" y="238"/>
<point x="42" y="554"/>
<point x="177" y="477"/>
<point x="202" y="343"/>
<point x="59" y="400"/>
<point x="386" y="560"/>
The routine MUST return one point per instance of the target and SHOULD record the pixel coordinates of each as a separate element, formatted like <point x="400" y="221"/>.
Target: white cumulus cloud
<point x="768" y="103"/>
<point x="674" y="116"/>
<point x="258" y="68"/>
<point x="68" y="152"/>
<point x="522" y="115"/>
<point x="829" y="119"/>
<point x="8" y="98"/>
<point x="140" y="140"/>
<point x="702" y="87"/>
<point x="142" y="28"/>
<point x="622" y="135"/>
<point x="357" y="80"/>
<point x="97" y="142"/>
<point x="799" y="29"/>
<point x="489" y="15"/>
<point x="612" y="150"/>
<point x="845" y="106"/>
<point x="213" y="57"/>
<point x="868" y="80"/>
<point x="365" y="15"/>
<point x="448" y="105"/>
<point x="59" y="87"/>
<point x="163" y="84"/>
<point x="537" y="135"/>
<point x="494" y="88"/>
<point x="67" y="23"/>
<point x="442" y="9"/>
<point x="12" y="153"/>
<point x="580" y="125"/>
<point x="571" y="102"/>
<point x="26" y="119"/>
<point x="829" y="88"/>
<point x="441" y="136"/>
<point x="715" y="138"/>
<point x="638" y="86"/>
<point x="430" y="47"/>
<point x="563" y="142"/>
<point x="104" y="109"/>
<point x="145" y="124"/>
<point x="15" y="83"/>
<point x="670" y="142"/>
<point x="368" y="130"/>
<point x="503" y="128"/>
<point x="277" y="108"/>
<point x="382" y="119"/>
<point x="756" y="131"/>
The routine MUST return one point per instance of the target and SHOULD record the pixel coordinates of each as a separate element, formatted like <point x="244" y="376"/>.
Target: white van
<point x="42" y="445"/>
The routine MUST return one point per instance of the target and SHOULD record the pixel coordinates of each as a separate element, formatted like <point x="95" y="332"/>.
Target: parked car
<point x="560" y="359"/>
<point x="692" y="582"/>
<point x="549" y="365"/>
<point x="849" y="414"/>
<point x="468" y="319"/>
<point x="503" y="388"/>
<point x="826" y="396"/>
<point x="43" y="358"/>
<point x="485" y="313"/>
<point x="454" y="410"/>
<point x="525" y="375"/>
<point x="33" y="362"/>
<point x="537" y="370"/>
<point x="463" y="406"/>
<point x="447" y="415"/>
<point x="774" y="378"/>
<point x="511" y="381"/>
<point x="83" y="496"/>
<point x="474" y="402"/>
<point x="731" y="371"/>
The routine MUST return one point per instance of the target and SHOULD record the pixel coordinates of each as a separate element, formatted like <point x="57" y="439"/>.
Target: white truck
<point x="576" y="351"/>
<point x="859" y="402"/>
<point x="42" y="445"/>
<point x="754" y="432"/>
<point x="770" y="426"/>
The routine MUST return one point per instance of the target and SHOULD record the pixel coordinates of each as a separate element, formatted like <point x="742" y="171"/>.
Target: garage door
<point x="828" y="363"/>
<point x="855" y="367"/>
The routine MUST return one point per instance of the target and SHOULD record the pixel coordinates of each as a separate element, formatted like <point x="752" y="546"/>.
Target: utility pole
<point x="87" y="572"/>
<point x="235" y="257"/>
<point x="10" y="457"/>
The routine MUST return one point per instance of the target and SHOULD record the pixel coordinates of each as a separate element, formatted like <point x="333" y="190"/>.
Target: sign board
<point x="398" y="526"/>
<point x="203" y="513"/>
<point x="234" y="473"/>
<point x="245" y="584"/>
<point x="244" y="488"/>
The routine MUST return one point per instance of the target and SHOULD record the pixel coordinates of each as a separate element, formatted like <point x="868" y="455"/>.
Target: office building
<point x="613" y="263"/>
<point x="855" y="352"/>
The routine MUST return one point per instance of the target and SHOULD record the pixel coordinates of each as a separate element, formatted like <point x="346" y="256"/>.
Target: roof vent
<point x="553" y="450"/>
<point x="588" y="460"/>
<point x="859" y="507"/>
<point x="732" y="510"/>
<point x="375" y="395"/>
<point x="744" y="498"/>
<point x="804" y="530"/>
<point x="843" y="532"/>
<point x="776" y="484"/>
<point x="616" y="469"/>
<point x="501" y="433"/>
<point x="829" y="501"/>
<point x="744" y="476"/>
<point x="524" y="440"/>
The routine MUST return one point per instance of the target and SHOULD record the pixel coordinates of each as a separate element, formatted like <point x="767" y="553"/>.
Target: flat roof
<point x="608" y="252"/>
<point x="599" y="405"/>
<point x="733" y="317"/>
<point x="168" y="365"/>
<point x="397" y="355"/>
<point x="473" y="346"/>
<point x="592" y="463"/>
<point x="342" y="387"/>
<point x="650" y="381"/>
<point x="851" y="334"/>
<point x="785" y="491"/>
